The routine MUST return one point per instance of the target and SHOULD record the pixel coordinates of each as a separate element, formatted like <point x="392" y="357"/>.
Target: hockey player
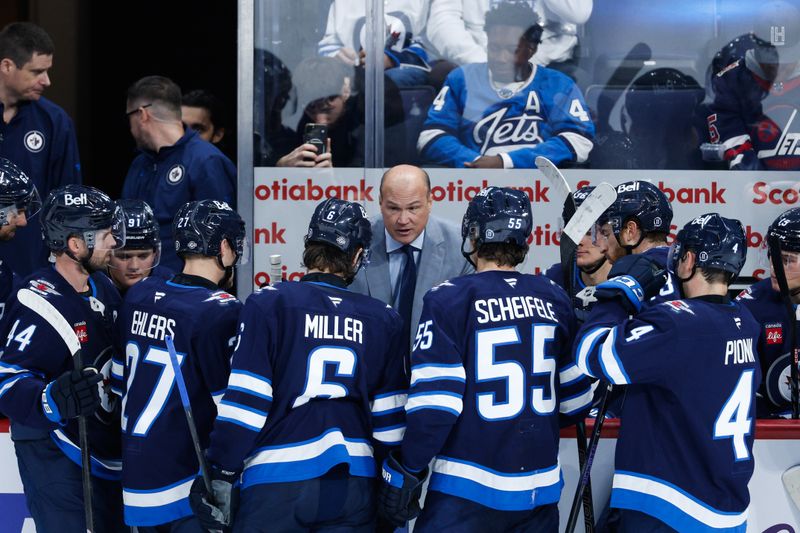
<point x="686" y="466"/>
<point x="763" y="299"/>
<point x="590" y="259"/>
<point x="19" y="201"/>
<point x="41" y="391"/>
<point x="491" y="376"/>
<point x="316" y="388"/>
<point x="638" y="223"/>
<point x="158" y="459"/>
<point x="142" y="252"/>
<point x="505" y="113"/>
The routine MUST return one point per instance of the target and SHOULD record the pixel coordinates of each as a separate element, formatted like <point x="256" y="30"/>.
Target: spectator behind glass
<point x="753" y="116"/>
<point x="37" y="135"/>
<point x="456" y="29"/>
<point x="505" y="113"/>
<point x="405" y="61"/>
<point x="204" y="113"/>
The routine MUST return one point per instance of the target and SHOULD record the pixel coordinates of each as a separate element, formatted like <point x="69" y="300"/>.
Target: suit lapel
<point x="377" y="271"/>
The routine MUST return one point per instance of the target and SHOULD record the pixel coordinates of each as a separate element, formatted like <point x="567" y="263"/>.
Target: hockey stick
<point x="51" y="315"/>
<point x="275" y="269"/>
<point x="791" y="482"/>
<point x="187" y="410"/>
<point x="777" y="265"/>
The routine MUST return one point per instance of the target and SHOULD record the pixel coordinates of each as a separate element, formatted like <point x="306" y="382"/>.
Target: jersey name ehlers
<point x="513" y="307"/>
<point x="151" y="326"/>
<point x="335" y="327"/>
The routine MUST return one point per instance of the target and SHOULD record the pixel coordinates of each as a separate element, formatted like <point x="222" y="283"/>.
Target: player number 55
<point x="424" y="337"/>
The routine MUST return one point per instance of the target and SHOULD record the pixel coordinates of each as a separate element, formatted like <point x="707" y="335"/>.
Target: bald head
<point x="405" y="200"/>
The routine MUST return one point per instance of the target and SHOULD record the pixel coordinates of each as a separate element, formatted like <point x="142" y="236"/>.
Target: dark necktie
<point x="408" y="281"/>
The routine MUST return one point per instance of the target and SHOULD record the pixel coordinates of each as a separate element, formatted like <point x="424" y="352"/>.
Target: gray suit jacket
<point x="440" y="260"/>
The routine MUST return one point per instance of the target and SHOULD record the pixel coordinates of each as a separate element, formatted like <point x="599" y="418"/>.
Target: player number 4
<point x="576" y="110"/>
<point x="733" y="421"/>
<point x="438" y="102"/>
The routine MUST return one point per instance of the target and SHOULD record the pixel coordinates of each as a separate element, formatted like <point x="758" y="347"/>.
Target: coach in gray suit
<point x="405" y="226"/>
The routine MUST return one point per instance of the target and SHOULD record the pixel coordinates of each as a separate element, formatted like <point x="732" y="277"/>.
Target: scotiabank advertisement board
<point x="285" y="199"/>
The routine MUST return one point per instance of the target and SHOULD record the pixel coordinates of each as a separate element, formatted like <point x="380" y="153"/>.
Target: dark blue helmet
<point x="578" y="196"/>
<point x="643" y="202"/>
<point x="82" y="211"/>
<point x="341" y="224"/>
<point x="498" y="214"/>
<point x="718" y="242"/>
<point x="200" y="227"/>
<point x="141" y="226"/>
<point x="786" y="228"/>
<point x="17" y="192"/>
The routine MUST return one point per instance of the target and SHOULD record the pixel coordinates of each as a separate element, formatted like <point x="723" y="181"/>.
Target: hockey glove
<point x="633" y="280"/>
<point x="72" y="394"/>
<point x="398" y="496"/>
<point x="214" y="511"/>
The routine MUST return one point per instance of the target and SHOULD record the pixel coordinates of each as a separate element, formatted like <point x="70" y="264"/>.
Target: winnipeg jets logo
<point x="512" y="282"/>
<point x="335" y="301"/>
<point x="42" y="287"/>
<point x="788" y="144"/>
<point x="496" y="133"/>
<point x="158" y="295"/>
<point x="96" y="305"/>
<point x="443" y="284"/>
<point x="679" y="306"/>
<point x="175" y="174"/>
<point x="221" y="296"/>
<point x="34" y="141"/>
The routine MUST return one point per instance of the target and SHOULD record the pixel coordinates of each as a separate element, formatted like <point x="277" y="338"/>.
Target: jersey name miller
<point x="335" y="327"/>
<point x="151" y="326"/>
<point x="513" y="307"/>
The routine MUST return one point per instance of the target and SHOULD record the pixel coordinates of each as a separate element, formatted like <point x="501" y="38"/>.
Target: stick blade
<point x="39" y="305"/>
<point x="791" y="482"/>
<point x="602" y="197"/>
<point x="555" y="177"/>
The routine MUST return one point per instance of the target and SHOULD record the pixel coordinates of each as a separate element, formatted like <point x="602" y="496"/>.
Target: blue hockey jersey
<point x="41" y="140"/>
<point x="492" y="364"/>
<point x="191" y="169"/>
<point x="8" y="282"/>
<point x="317" y="380"/>
<point x="35" y="354"/>
<point x="684" y="453"/>
<point x="543" y="116"/>
<point x="158" y="457"/>
<point x="774" y="394"/>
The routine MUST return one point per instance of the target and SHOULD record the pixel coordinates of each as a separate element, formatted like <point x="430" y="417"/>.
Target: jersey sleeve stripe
<point x="117" y="370"/>
<point x="6" y="368"/>
<point x="576" y="403"/>
<point x="610" y="362"/>
<point x="587" y="346"/>
<point x="241" y="415"/>
<point x="386" y="403"/>
<point x="524" y="481"/>
<point x="217" y="397"/>
<point x="659" y="498"/>
<point x="391" y="435"/>
<point x="579" y="144"/>
<point x="426" y="137"/>
<point x="10" y="383"/>
<point x="250" y="383"/>
<point x="432" y="372"/>
<point x="449" y="402"/>
<point x="158" y="497"/>
<point x="309" y="449"/>
<point x="569" y="374"/>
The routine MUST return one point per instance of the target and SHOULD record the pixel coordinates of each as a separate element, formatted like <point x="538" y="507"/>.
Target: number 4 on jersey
<point x="733" y="421"/>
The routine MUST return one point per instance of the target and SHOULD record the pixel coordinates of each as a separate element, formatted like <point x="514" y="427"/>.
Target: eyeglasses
<point x="129" y="113"/>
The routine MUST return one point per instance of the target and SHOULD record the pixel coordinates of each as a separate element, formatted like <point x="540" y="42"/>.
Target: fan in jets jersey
<point x="491" y="377"/>
<point x="763" y="299"/>
<point x="505" y="113"/>
<point x="19" y="201"/>
<point x="316" y="390"/>
<point x="159" y="461"/>
<point x="591" y="264"/>
<point x="754" y="113"/>
<point x="41" y="392"/>
<point x="684" y="453"/>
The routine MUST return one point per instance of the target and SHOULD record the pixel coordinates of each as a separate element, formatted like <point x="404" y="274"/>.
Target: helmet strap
<point x="468" y="255"/>
<point x="595" y="267"/>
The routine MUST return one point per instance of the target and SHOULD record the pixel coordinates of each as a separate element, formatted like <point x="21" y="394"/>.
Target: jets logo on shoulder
<point x="220" y="296"/>
<point x="34" y="141"/>
<point x="43" y="287"/>
<point x="175" y="174"/>
<point x="512" y="282"/>
<point x="746" y="294"/>
<point x="445" y="283"/>
<point x="679" y="306"/>
<point x="335" y="301"/>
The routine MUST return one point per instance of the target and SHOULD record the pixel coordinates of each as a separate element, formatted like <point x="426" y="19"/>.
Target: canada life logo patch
<point x="774" y="333"/>
<point x="81" y="332"/>
<point x="34" y="141"/>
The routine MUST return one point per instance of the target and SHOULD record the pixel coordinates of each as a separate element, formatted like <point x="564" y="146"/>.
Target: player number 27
<point x="161" y="391"/>
<point x="733" y="421"/>
<point x="513" y="374"/>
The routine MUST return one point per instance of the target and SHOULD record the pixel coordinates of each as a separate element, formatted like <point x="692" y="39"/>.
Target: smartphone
<point x="317" y="134"/>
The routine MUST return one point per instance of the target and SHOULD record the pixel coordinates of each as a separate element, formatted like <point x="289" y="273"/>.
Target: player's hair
<point x="159" y="91"/>
<point x="321" y="256"/>
<point x="20" y="40"/>
<point x="502" y="253"/>
<point x="516" y="13"/>
<point x="209" y="102"/>
<point x="717" y="275"/>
